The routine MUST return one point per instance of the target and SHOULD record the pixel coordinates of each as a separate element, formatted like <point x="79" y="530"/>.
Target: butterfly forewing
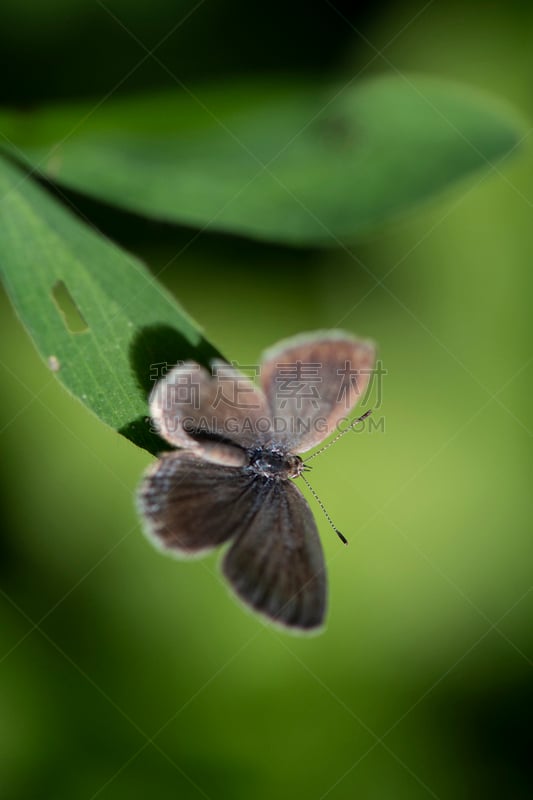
<point x="191" y="505"/>
<point x="275" y="564"/>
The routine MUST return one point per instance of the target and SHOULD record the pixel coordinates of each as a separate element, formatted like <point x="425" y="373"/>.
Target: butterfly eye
<point x="295" y="466"/>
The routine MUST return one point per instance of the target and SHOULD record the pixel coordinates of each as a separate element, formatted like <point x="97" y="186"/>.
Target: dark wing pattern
<point x="275" y="564"/>
<point x="312" y="382"/>
<point x="192" y="505"/>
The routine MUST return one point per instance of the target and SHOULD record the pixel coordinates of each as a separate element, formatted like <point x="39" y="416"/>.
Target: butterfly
<point x="239" y="449"/>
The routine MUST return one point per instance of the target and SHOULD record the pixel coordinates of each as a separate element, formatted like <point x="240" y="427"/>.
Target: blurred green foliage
<point x="302" y="164"/>
<point x="422" y="682"/>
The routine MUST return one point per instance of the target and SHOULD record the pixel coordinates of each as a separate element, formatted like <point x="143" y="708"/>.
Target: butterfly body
<point x="230" y="478"/>
<point x="275" y="464"/>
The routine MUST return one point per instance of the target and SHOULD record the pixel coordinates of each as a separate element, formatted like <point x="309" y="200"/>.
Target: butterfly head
<point x="272" y="462"/>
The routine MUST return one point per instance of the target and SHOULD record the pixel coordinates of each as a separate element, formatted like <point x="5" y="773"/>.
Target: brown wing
<point x="312" y="382"/>
<point x="276" y="564"/>
<point x="191" y="505"/>
<point x="190" y="403"/>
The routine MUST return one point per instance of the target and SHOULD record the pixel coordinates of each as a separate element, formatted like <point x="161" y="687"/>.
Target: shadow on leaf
<point x="154" y="350"/>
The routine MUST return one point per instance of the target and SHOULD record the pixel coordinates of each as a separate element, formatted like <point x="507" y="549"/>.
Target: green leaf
<point x="94" y="312"/>
<point x="290" y="163"/>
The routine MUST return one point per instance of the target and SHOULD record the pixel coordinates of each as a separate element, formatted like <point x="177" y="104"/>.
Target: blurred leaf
<point x="281" y="162"/>
<point x="94" y="312"/>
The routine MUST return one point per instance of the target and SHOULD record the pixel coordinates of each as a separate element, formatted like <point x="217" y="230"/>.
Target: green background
<point x="125" y="674"/>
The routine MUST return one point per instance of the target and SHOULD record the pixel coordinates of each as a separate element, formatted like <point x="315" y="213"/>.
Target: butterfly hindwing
<point x="191" y="402"/>
<point x="312" y="382"/>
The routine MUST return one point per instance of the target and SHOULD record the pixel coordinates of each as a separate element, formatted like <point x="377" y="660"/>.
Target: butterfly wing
<point x="192" y="505"/>
<point x="312" y="382"/>
<point x="275" y="563"/>
<point x="191" y="404"/>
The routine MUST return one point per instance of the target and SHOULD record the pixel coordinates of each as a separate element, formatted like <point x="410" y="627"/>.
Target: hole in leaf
<point x="72" y="316"/>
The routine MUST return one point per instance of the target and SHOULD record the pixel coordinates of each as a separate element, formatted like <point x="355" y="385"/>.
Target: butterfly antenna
<point x="340" y="435"/>
<point x="321" y="504"/>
